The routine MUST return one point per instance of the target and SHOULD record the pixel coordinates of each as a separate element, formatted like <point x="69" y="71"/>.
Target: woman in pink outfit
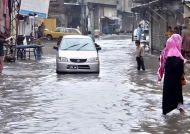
<point x="172" y="63"/>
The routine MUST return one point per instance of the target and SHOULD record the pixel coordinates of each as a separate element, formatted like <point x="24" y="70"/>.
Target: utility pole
<point x="85" y="19"/>
<point x="83" y="16"/>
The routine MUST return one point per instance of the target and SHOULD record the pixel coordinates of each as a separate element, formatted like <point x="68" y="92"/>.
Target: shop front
<point x="73" y="16"/>
<point x="159" y="15"/>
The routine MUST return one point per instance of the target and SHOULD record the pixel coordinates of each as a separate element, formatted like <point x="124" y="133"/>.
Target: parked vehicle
<point x="77" y="53"/>
<point x="61" y="31"/>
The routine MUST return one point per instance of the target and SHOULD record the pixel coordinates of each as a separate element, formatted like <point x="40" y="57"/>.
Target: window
<point x="66" y="30"/>
<point x="77" y="45"/>
<point x="57" y="30"/>
<point x="61" y="30"/>
<point x="74" y="31"/>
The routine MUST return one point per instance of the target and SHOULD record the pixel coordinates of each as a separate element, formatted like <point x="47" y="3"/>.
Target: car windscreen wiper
<point x="71" y="46"/>
<point x="82" y="46"/>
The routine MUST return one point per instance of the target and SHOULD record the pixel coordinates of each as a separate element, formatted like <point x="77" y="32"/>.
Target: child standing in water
<point x="140" y="54"/>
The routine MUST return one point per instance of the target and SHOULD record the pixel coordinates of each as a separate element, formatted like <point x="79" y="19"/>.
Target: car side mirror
<point x="98" y="48"/>
<point x="55" y="47"/>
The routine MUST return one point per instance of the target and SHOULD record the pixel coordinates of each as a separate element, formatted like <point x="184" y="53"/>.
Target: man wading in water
<point x="2" y="41"/>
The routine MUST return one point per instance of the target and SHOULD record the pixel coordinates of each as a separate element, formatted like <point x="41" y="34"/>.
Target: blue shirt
<point x="92" y="37"/>
<point x="139" y="31"/>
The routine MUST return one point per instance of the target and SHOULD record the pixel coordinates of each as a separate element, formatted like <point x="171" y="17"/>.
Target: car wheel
<point x="58" y="72"/>
<point x="49" y="37"/>
<point x="98" y="71"/>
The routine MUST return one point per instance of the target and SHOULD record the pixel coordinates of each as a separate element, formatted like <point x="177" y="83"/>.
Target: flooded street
<point x="119" y="100"/>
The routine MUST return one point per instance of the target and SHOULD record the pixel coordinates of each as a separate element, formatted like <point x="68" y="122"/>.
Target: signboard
<point x="40" y="7"/>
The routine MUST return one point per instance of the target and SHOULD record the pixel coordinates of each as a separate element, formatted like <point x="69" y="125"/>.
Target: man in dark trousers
<point x="140" y="54"/>
<point x="2" y="41"/>
<point x="179" y="29"/>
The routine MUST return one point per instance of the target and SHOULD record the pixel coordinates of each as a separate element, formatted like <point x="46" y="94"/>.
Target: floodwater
<point x="119" y="100"/>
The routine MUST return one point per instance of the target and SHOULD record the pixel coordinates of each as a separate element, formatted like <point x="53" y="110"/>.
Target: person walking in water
<point x="2" y="41"/>
<point x="42" y="29"/>
<point x="172" y="63"/>
<point x="139" y="32"/>
<point x="140" y="54"/>
<point x="186" y="41"/>
<point x="91" y="36"/>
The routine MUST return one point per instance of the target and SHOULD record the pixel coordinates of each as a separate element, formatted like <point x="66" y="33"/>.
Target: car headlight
<point x="62" y="59"/>
<point x="93" y="60"/>
<point x="142" y="34"/>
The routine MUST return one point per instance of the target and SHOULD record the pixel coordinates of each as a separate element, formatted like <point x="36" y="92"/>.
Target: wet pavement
<point x="119" y="100"/>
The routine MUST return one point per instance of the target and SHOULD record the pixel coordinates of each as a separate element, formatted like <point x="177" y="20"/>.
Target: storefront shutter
<point x="158" y="31"/>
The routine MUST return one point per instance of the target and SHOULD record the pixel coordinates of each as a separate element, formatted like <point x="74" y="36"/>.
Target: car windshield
<point x="77" y="45"/>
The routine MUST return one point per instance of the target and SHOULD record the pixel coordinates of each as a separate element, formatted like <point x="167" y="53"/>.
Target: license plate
<point x="72" y="67"/>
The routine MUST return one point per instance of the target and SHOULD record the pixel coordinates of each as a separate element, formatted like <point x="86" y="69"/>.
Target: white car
<point x="77" y="53"/>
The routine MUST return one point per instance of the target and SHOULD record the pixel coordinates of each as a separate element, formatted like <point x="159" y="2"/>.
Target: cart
<point x="10" y="52"/>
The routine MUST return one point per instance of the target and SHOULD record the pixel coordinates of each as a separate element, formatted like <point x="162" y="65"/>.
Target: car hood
<point x="77" y="54"/>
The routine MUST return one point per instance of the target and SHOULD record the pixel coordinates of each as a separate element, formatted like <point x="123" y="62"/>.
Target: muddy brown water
<point x="119" y="100"/>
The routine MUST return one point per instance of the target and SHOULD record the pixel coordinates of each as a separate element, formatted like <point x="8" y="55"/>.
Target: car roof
<point x="76" y="36"/>
<point x="67" y="28"/>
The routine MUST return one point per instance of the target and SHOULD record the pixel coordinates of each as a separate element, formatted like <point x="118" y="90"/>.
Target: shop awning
<point x="111" y="18"/>
<point x="134" y="9"/>
<point x="145" y="11"/>
<point x="151" y="9"/>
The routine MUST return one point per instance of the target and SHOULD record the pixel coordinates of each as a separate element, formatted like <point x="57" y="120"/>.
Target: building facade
<point x="66" y="14"/>
<point x="104" y="15"/>
<point x="110" y="15"/>
<point x="124" y="12"/>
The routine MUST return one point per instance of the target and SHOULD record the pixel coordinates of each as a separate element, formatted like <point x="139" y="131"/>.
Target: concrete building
<point x="125" y="14"/>
<point x="159" y="14"/>
<point x="64" y="13"/>
<point x="102" y="14"/>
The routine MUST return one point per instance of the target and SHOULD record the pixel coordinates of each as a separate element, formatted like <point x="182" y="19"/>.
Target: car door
<point x="57" y="32"/>
<point x="62" y="32"/>
<point x="66" y="32"/>
<point x="74" y="32"/>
